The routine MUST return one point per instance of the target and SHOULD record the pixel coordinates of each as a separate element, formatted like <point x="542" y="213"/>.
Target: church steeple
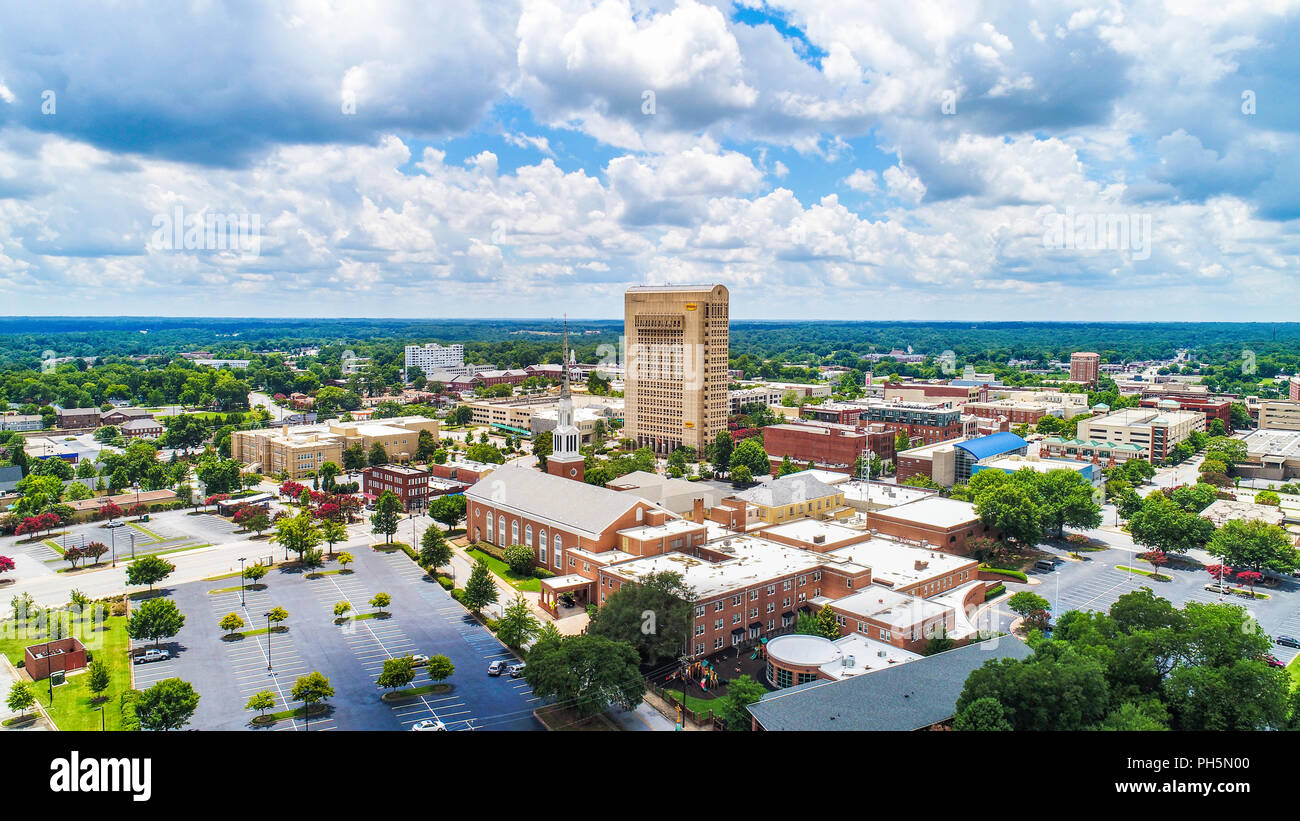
<point x="565" y="459"/>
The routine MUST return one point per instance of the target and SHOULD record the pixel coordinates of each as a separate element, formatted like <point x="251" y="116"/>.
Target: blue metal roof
<point x="992" y="445"/>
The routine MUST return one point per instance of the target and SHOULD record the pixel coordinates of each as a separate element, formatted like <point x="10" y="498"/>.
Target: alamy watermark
<point x="1083" y="231"/>
<point x="207" y="231"/>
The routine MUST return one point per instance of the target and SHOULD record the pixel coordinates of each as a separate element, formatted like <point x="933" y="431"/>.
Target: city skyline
<point x="973" y="162"/>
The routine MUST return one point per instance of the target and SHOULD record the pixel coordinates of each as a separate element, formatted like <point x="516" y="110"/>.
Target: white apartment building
<point x="434" y="357"/>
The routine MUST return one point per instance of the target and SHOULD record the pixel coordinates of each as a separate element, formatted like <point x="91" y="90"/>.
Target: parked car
<point x="496" y="668"/>
<point x="1046" y="565"/>
<point x="151" y="655"/>
<point x="115" y="523"/>
<point x="429" y="724"/>
<point x="517" y="670"/>
<point x="1287" y="641"/>
<point x="419" y="659"/>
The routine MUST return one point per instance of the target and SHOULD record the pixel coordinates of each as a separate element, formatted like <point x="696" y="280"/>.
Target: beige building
<point x="300" y="451"/>
<point x="1154" y="430"/>
<point x="1279" y="414"/>
<point x="676" y="383"/>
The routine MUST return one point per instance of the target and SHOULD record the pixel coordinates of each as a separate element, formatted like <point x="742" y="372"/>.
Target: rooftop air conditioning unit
<point x="850" y="661"/>
<point x="820" y="539"/>
<point x="880" y="653"/>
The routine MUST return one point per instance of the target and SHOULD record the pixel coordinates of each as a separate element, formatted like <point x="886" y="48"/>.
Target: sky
<point x="824" y="159"/>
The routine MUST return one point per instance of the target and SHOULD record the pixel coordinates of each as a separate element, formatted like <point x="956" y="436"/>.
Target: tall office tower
<point x="675" y="345"/>
<point x="1084" y="367"/>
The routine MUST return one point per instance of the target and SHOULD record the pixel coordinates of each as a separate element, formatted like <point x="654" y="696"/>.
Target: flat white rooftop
<point x="671" y="527"/>
<point x="1014" y="463"/>
<point x="807" y="530"/>
<point x="936" y="511"/>
<point x="896" y="563"/>
<point x="882" y="494"/>
<point x="750" y="561"/>
<point x="888" y="607"/>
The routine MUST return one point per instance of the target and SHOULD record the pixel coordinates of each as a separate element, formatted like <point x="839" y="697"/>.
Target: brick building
<point x="410" y="484"/>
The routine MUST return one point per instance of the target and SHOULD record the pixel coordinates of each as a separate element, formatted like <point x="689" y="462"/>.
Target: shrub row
<point x="995" y="591"/>
<point x="1000" y="571"/>
<point x="130" y="721"/>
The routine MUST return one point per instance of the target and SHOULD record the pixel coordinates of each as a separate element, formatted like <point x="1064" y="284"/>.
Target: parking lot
<point x="424" y="619"/>
<point x="1095" y="584"/>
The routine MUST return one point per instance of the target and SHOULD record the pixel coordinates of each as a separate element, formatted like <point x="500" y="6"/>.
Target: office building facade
<point x="676" y="385"/>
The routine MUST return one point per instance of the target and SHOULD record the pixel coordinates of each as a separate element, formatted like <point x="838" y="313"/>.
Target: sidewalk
<point x="8" y="675"/>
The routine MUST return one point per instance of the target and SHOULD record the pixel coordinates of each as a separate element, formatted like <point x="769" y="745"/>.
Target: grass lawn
<point x="146" y="531"/>
<point x="72" y="709"/>
<point x="530" y="584"/>
<point x="1294" y="669"/>
<point x="55" y="546"/>
<point x="696" y="704"/>
<point x="1157" y="576"/>
<point x="398" y="695"/>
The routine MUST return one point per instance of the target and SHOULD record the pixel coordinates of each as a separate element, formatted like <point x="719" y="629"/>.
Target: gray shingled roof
<point x="568" y="503"/>
<point x="786" y="490"/>
<point x="910" y="696"/>
<point x="10" y="476"/>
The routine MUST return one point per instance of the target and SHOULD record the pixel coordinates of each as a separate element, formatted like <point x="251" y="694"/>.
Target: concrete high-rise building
<point x="434" y="357"/>
<point x="676" y="342"/>
<point x="1084" y="366"/>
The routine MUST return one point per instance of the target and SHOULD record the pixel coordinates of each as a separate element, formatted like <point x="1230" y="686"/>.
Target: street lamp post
<point x="268" y="640"/>
<point x="241" y="582"/>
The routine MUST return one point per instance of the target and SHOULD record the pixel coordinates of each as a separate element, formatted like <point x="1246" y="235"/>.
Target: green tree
<point x="741" y="692"/>
<point x="297" y="533"/>
<point x="720" y="451"/>
<point x="341" y="610"/>
<point x="155" y="619"/>
<point x="276" y="616"/>
<point x="543" y="446"/>
<point x="381" y="602"/>
<point x="480" y="590"/>
<point x="827" y="624"/>
<point x="653" y="616"/>
<point x="1066" y="499"/>
<point x="168" y="705"/>
<point x="520" y="559"/>
<point x="434" y="549"/>
<point x="261" y="702"/>
<point x="983" y="714"/>
<point x="385" y="519"/>
<point x="517" y="625"/>
<point x="255" y="572"/>
<point x="1161" y="524"/>
<point x="1006" y="506"/>
<point x="312" y="689"/>
<point x="590" y="673"/>
<point x="750" y="454"/>
<point x="20" y="698"/>
<point x="1061" y="690"/>
<point x="398" y="672"/>
<point x="741" y="475"/>
<point x="448" y="509"/>
<point x="332" y="532"/>
<point x="354" y="457"/>
<point x="378" y="456"/>
<point x="99" y="679"/>
<point x="1254" y="544"/>
<point x="148" y="570"/>
<point x="439" y="668"/>
<point x="231" y="622"/>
